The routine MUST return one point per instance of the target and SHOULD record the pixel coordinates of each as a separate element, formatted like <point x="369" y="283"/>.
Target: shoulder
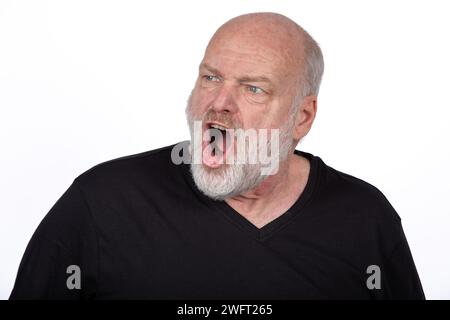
<point x="149" y="164"/>
<point x="355" y="195"/>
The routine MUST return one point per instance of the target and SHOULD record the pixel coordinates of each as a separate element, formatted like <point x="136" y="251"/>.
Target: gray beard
<point x="234" y="179"/>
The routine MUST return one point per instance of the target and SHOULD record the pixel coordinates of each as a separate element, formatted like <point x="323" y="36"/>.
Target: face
<point x="253" y="85"/>
<point x="241" y="84"/>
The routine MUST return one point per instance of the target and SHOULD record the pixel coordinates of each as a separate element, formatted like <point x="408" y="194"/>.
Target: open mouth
<point x="217" y="141"/>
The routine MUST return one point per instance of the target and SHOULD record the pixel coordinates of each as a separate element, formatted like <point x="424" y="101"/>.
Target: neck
<point x="275" y="194"/>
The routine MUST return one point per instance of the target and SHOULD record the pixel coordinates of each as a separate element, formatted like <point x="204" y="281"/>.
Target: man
<point x="148" y="226"/>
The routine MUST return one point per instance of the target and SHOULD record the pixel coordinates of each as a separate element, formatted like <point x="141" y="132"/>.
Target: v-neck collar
<point x="270" y="228"/>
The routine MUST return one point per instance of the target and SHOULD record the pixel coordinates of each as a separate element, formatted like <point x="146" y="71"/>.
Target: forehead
<point x="242" y="57"/>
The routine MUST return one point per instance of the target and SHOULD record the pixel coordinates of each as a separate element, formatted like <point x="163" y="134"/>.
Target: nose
<point x="224" y="101"/>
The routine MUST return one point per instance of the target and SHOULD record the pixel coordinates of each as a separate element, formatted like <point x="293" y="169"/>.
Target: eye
<point x="255" y="90"/>
<point x="255" y="94"/>
<point x="211" y="78"/>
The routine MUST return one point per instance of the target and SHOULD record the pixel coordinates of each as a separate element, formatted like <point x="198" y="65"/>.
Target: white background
<point x="82" y="82"/>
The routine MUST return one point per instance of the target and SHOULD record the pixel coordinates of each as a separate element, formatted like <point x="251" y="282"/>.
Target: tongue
<point x="212" y="160"/>
<point x="213" y="152"/>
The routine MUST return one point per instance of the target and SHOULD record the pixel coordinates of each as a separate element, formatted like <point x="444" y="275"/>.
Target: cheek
<point x="251" y="120"/>
<point x="201" y="100"/>
<point x="258" y="115"/>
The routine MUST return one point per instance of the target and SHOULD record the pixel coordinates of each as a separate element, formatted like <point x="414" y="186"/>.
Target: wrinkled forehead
<point x="277" y="52"/>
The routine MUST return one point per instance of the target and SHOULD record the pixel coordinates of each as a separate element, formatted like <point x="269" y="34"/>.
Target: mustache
<point x="223" y="118"/>
<point x="211" y="115"/>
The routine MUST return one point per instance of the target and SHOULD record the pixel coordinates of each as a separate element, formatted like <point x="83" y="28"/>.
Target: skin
<point x="250" y="73"/>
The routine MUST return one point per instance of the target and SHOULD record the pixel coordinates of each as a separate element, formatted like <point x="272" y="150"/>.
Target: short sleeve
<point x="401" y="280"/>
<point x="61" y="259"/>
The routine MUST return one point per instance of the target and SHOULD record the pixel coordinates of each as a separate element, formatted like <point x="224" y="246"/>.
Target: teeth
<point x="216" y="126"/>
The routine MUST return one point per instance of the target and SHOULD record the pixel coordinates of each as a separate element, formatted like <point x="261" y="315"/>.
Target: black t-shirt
<point x="138" y="227"/>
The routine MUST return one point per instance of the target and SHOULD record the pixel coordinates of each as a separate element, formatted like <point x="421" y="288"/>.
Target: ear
<point x="305" y="117"/>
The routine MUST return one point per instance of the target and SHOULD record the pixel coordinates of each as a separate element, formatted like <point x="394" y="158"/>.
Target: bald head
<point x="292" y="49"/>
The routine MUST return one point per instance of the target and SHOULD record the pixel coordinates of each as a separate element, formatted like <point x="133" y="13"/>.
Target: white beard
<point x="233" y="179"/>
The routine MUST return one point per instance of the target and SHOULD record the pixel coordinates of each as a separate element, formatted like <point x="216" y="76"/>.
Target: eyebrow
<point x="255" y="79"/>
<point x="242" y="79"/>
<point x="209" y="68"/>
